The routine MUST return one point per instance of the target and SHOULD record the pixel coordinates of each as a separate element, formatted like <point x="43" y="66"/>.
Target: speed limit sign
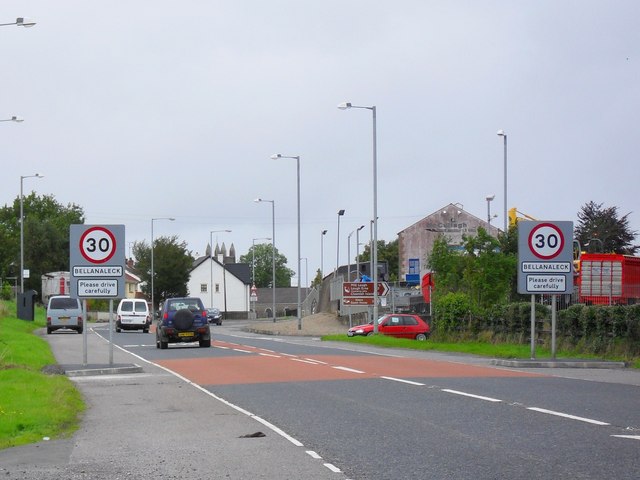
<point x="545" y="257"/>
<point x="546" y="241"/>
<point x="98" y="245"/>
<point x="97" y="260"/>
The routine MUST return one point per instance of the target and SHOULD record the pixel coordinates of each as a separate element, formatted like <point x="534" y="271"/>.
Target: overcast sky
<point x="145" y="109"/>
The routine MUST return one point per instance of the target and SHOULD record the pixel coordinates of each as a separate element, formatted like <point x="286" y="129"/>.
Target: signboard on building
<point x="97" y="261"/>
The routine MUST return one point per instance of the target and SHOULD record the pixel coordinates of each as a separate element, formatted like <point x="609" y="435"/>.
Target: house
<point x="416" y="241"/>
<point x="221" y="282"/>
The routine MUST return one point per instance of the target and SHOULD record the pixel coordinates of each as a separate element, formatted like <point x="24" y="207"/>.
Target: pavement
<point x="144" y="422"/>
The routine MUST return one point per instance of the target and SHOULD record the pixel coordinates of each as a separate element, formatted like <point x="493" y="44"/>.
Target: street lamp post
<point x="358" y="251"/>
<point x="374" y="250"/>
<point x="153" y="305"/>
<point x="22" y="177"/>
<point x="502" y="134"/>
<point x="273" y="253"/>
<point x="20" y="22"/>
<point x="489" y="199"/>
<point x="349" y="256"/>
<point x="297" y="159"/>
<point x="12" y="119"/>
<point x="322" y="234"/>
<point x="340" y="214"/>
<point x="211" y="263"/>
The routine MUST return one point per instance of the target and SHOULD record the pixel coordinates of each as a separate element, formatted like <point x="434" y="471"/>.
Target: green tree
<point x="600" y="229"/>
<point x="317" y="280"/>
<point x="263" y="255"/>
<point x="387" y="252"/>
<point x="172" y="264"/>
<point x="46" y="237"/>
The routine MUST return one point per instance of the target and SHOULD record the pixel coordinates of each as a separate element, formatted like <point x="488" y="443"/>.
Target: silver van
<point x="133" y="314"/>
<point x="64" y="312"/>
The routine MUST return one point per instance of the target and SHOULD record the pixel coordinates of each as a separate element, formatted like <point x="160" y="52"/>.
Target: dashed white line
<point x="304" y="361"/>
<point x="566" y="415"/>
<point x="632" y="437"/>
<point x="314" y="454"/>
<point x="345" y="369"/>
<point x="241" y="350"/>
<point x="316" y="361"/>
<point x="464" y="394"/>
<point x="332" y="467"/>
<point x="402" y="380"/>
<point x="269" y="355"/>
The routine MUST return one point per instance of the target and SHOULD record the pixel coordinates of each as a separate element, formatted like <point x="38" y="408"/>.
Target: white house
<point x="223" y="285"/>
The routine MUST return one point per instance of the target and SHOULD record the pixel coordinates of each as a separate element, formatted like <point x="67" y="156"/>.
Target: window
<point x="217" y="288"/>
<point x="203" y="288"/>
<point x="410" y="321"/>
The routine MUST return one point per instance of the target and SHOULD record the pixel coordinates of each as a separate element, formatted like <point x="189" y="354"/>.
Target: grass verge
<point x="33" y="405"/>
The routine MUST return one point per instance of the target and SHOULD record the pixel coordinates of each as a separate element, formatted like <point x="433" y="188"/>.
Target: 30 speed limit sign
<point x="97" y="245"/>
<point x="546" y="241"/>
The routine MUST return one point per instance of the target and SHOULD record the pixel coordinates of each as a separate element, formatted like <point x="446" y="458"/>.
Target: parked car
<point x="399" y="325"/>
<point x="183" y="320"/>
<point x="214" y="316"/>
<point x="133" y="314"/>
<point x="64" y="312"/>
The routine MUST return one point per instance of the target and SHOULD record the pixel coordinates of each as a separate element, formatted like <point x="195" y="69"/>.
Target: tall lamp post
<point x="489" y="199"/>
<point x="322" y="234"/>
<point x="273" y="253"/>
<point x="340" y="214"/>
<point x="358" y="251"/>
<point x="20" y="22"/>
<point x="12" y="119"/>
<point x="211" y="263"/>
<point x="253" y="258"/>
<point x="502" y="134"/>
<point x="153" y="305"/>
<point x="297" y="159"/>
<point x="374" y="250"/>
<point x="22" y="177"/>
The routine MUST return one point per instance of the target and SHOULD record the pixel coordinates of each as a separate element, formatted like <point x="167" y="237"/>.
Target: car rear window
<point x="141" y="307"/>
<point x="62" y="303"/>
<point x="126" y="306"/>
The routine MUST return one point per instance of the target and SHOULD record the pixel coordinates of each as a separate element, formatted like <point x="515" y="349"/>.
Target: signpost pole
<point x="533" y="327"/>
<point x="84" y="332"/>
<point x="111" y="331"/>
<point x="553" y="326"/>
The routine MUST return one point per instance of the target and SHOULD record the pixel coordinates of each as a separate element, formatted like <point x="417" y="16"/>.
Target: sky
<point x="137" y="110"/>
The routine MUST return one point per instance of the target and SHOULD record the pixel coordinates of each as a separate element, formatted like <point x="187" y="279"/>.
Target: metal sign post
<point x="545" y="265"/>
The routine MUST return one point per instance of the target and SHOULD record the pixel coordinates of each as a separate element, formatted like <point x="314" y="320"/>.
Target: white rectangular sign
<point x="546" y="267"/>
<point x="546" y="283"/>
<point x="114" y="271"/>
<point x="97" y="288"/>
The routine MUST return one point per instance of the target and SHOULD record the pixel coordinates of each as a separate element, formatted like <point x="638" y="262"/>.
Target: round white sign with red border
<point x="97" y="245"/>
<point x="546" y="241"/>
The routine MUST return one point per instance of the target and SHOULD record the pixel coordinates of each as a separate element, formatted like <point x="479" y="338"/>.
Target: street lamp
<point x="489" y="199"/>
<point x="358" y="250"/>
<point x="340" y="214"/>
<point x="22" y="177"/>
<point x="253" y="258"/>
<point x="12" y="119"/>
<point x="322" y="234"/>
<point x="502" y="134"/>
<point x="374" y="250"/>
<point x="211" y="264"/>
<point x="273" y="253"/>
<point x="153" y="305"/>
<point x="297" y="159"/>
<point x="20" y="22"/>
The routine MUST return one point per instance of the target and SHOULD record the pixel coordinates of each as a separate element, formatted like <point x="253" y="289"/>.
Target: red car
<point x="399" y="325"/>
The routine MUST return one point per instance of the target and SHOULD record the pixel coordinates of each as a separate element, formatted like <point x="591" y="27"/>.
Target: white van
<point x="133" y="314"/>
<point x="64" y="312"/>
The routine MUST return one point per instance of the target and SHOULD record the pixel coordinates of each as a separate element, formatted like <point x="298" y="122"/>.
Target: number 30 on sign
<point x="546" y="241"/>
<point x="97" y="245"/>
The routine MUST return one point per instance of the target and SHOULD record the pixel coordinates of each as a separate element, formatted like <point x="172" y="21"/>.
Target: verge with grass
<point x="33" y="404"/>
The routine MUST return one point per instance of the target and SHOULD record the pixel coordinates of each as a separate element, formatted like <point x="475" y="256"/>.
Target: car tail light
<point x="166" y="315"/>
<point x="204" y="314"/>
<point x="169" y="331"/>
<point x="48" y="320"/>
<point x="119" y="317"/>
<point x="79" y="320"/>
<point x="202" y="330"/>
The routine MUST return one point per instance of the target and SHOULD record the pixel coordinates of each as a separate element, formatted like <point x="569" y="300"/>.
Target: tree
<point x="172" y="264"/>
<point x="600" y="230"/>
<point x="46" y="237"/>
<point x="387" y="252"/>
<point x="317" y="280"/>
<point x="263" y="255"/>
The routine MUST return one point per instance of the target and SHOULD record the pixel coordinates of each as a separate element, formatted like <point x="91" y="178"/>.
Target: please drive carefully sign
<point x="545" y="257"/>
<point x="97" y="260"/>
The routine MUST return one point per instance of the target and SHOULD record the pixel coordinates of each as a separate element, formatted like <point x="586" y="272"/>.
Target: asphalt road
<point x="377" y="414"/>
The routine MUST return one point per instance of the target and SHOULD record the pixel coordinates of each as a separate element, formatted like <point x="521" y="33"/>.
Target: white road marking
<point x="348" y="369"/>
<point x="270" y="355"/>
<point x="304" y="361"/>
<point x="241" y="351"/>
<point x="632" y="437"/>
<point x="332" y="467"/>
<point x="401" y="380"/>
<point x="479" y="397"/>
<point x="316" y="361"/>
<point x="566" y="415"/>
<point x="314" y="454"/>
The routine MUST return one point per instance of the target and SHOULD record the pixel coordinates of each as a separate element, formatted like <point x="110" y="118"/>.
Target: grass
<point x="493" y="350"/>
<point x="33" y="405"/>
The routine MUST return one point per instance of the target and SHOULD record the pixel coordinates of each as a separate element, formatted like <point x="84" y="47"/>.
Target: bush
<point x="5" y="292"/>
<point x="451" y="310"/>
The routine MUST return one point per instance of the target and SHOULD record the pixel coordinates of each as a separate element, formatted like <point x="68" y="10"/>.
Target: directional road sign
<point x="363" y="289"/>
<point x="545" y="257"/>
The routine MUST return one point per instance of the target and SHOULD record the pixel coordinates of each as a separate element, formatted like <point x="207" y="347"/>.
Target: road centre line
<point x="304" y="361"/>
<point x="566" y="415"/>
<point x="464" y="394"/>
<point x="631" y="437"/>
<point x="317" y="361"/>
<point x="401" y="380"/>
<point x="345" y="369"/>
<point x="242" y="351"/>
<point x="269" y="355"/>
<point x="314" y="455"/>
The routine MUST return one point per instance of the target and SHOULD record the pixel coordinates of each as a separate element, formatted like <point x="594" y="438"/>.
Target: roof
<point x="241" y="271"/>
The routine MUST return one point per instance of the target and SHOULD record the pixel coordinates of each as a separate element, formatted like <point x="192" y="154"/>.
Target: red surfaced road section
<point x="253" y="368"/>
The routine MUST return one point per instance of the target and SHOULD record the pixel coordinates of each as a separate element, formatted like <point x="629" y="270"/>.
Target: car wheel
<point x="205" y="343"/>
<point x="219" y="323"/>
<point x="421" y="337"/>
<point x="183" y="319"/>
<point x="369" y="334"/>
<point x="145" y="330"/>
<point x="157" y="343"/>
<point x="49" y="331"/>
<point x="79" y="330"/>
<point x="164" y="345"/>
<point x="118" y="330"/>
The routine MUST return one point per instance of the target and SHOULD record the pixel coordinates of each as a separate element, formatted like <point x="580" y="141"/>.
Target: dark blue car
<point x="183" y="320"/>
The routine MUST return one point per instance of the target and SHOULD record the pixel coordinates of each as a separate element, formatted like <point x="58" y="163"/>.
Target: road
<point x="380" y="414"/>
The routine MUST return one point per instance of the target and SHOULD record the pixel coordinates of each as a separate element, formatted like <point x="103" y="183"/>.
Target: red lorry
<point x="609" y="279"/>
